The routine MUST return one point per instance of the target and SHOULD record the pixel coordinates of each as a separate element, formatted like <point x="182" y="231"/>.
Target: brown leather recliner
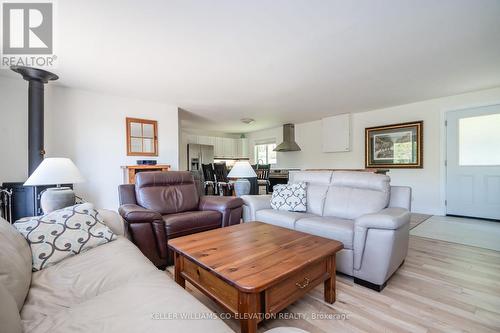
<point x="165" y="205"/>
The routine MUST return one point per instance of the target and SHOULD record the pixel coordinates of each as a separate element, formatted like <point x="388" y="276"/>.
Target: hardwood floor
<point x="442" y="287"/>
<point x="416" y="219"/>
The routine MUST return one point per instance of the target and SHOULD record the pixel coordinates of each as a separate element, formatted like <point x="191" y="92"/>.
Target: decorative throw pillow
<point x="63" y="233"/>
<point x="291" y="197"/>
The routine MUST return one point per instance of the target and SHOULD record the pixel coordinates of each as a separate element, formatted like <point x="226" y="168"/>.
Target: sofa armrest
<point x="114" y="221"/>
<point x="229" y="207"/>
<point x="254" y="203"/>
<point x="389" y="221"/>
<point x="137" y="214"/>
<point x="389" y="218"/>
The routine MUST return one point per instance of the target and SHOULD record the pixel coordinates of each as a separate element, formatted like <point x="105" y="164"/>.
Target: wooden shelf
<point x="129" y="171"/>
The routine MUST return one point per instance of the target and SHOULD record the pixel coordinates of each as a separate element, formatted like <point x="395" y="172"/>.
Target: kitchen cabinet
<point x="227" y="148"/>
<point x="206" y="140"/>
<point x="191" y="138"/>
<point x="242" y="147"/>
<point x="219" y="147"/>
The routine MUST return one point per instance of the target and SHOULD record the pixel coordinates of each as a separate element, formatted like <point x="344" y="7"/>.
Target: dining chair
<point x="209" y="178"/>
<point x="224" y="186"/>
<point x="263" y="176"/>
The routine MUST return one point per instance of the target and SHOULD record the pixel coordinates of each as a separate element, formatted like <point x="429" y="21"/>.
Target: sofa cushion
<point x="15" y="262"/>
<point x="155" y="305"/>
<point x="10" y="321"/>
<point x="280" y="218"/>
<point x="317" y="186"/>
<point x="328" y="227"/>
<point x="82" y="277"/>
<point x="166" y="192"/>
<point x="187" y="223"/>
<point x="111" y="288"/>
<point x="362" y="180"/>
<point x="353" y="194"/>
<point x="316" y="195"/>
<point x="63" y="233"/>
<point x="310" y="177"/>
<point x="290" y="197"/>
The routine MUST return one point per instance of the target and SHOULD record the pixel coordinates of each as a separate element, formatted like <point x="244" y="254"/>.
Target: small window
<point x="478" y="140"/>
<point x="142" y="137"/>
<point x="265" y="154"/>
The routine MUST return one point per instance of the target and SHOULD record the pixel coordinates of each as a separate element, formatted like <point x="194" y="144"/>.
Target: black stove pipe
<point x="36" y="79"/>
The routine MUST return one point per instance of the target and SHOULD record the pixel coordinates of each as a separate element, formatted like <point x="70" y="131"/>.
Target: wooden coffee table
<point x="255" y="269"/>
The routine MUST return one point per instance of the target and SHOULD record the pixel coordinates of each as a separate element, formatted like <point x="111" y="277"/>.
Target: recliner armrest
<point x="137" y="214"/>
<point x="229" y="207"/>
<point x="219" y="203"/>
<point x="389" y="218"/>
<point x="147" y="231"/>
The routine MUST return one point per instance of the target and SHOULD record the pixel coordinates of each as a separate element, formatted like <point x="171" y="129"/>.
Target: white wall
<point x="87" y="127"/>
<point x="427" y="183"/>
<point x="13" y="130"/>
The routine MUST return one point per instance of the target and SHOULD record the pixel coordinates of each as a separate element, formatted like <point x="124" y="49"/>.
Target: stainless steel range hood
<point x="288" y="143"/>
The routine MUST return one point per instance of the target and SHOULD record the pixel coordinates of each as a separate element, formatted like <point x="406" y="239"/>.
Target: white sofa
<point x="111" y="288"/>
<point x="360" y="209"/>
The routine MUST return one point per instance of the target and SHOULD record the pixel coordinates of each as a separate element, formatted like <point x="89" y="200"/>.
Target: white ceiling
<point x="278" y="61"/>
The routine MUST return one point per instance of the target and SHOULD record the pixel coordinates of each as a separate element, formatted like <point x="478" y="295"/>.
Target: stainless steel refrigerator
<point x="198" y="155"/>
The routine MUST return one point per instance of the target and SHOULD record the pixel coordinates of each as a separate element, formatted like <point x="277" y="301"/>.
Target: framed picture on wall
<point x="394" y="146"/>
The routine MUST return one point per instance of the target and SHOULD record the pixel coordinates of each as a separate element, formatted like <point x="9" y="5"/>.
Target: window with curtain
<point x="264" y="153"/>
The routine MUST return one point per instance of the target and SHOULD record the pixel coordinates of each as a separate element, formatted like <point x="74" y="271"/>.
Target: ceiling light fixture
<point x="247" y="120"/>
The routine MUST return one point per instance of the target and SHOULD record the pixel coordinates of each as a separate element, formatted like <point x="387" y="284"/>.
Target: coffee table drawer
<point x="289" y="290"/>
<point x="210" y="284"/>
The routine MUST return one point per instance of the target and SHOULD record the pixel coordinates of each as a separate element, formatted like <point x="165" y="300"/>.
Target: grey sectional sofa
<point x="111" y="288"/>
<point x="360" y="209"/>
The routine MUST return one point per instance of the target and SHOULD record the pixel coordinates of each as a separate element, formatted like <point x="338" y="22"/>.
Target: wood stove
<point x="25" y="200"/>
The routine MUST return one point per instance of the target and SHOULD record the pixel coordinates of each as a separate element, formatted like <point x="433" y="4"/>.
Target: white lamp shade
<point x="241" y="169"/>
<point x="55" y="171"/>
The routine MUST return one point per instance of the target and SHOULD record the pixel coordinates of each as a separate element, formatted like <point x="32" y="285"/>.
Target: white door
<point x="473" y="162"/>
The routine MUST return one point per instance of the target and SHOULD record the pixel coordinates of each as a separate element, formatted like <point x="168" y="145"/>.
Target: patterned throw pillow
<point x="63" y="233"/>
<point x="291" y="197"/>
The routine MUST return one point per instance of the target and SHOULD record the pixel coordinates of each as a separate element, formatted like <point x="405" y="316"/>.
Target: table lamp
<point x="55" y="171"/>
<point x="241" y="170"/>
